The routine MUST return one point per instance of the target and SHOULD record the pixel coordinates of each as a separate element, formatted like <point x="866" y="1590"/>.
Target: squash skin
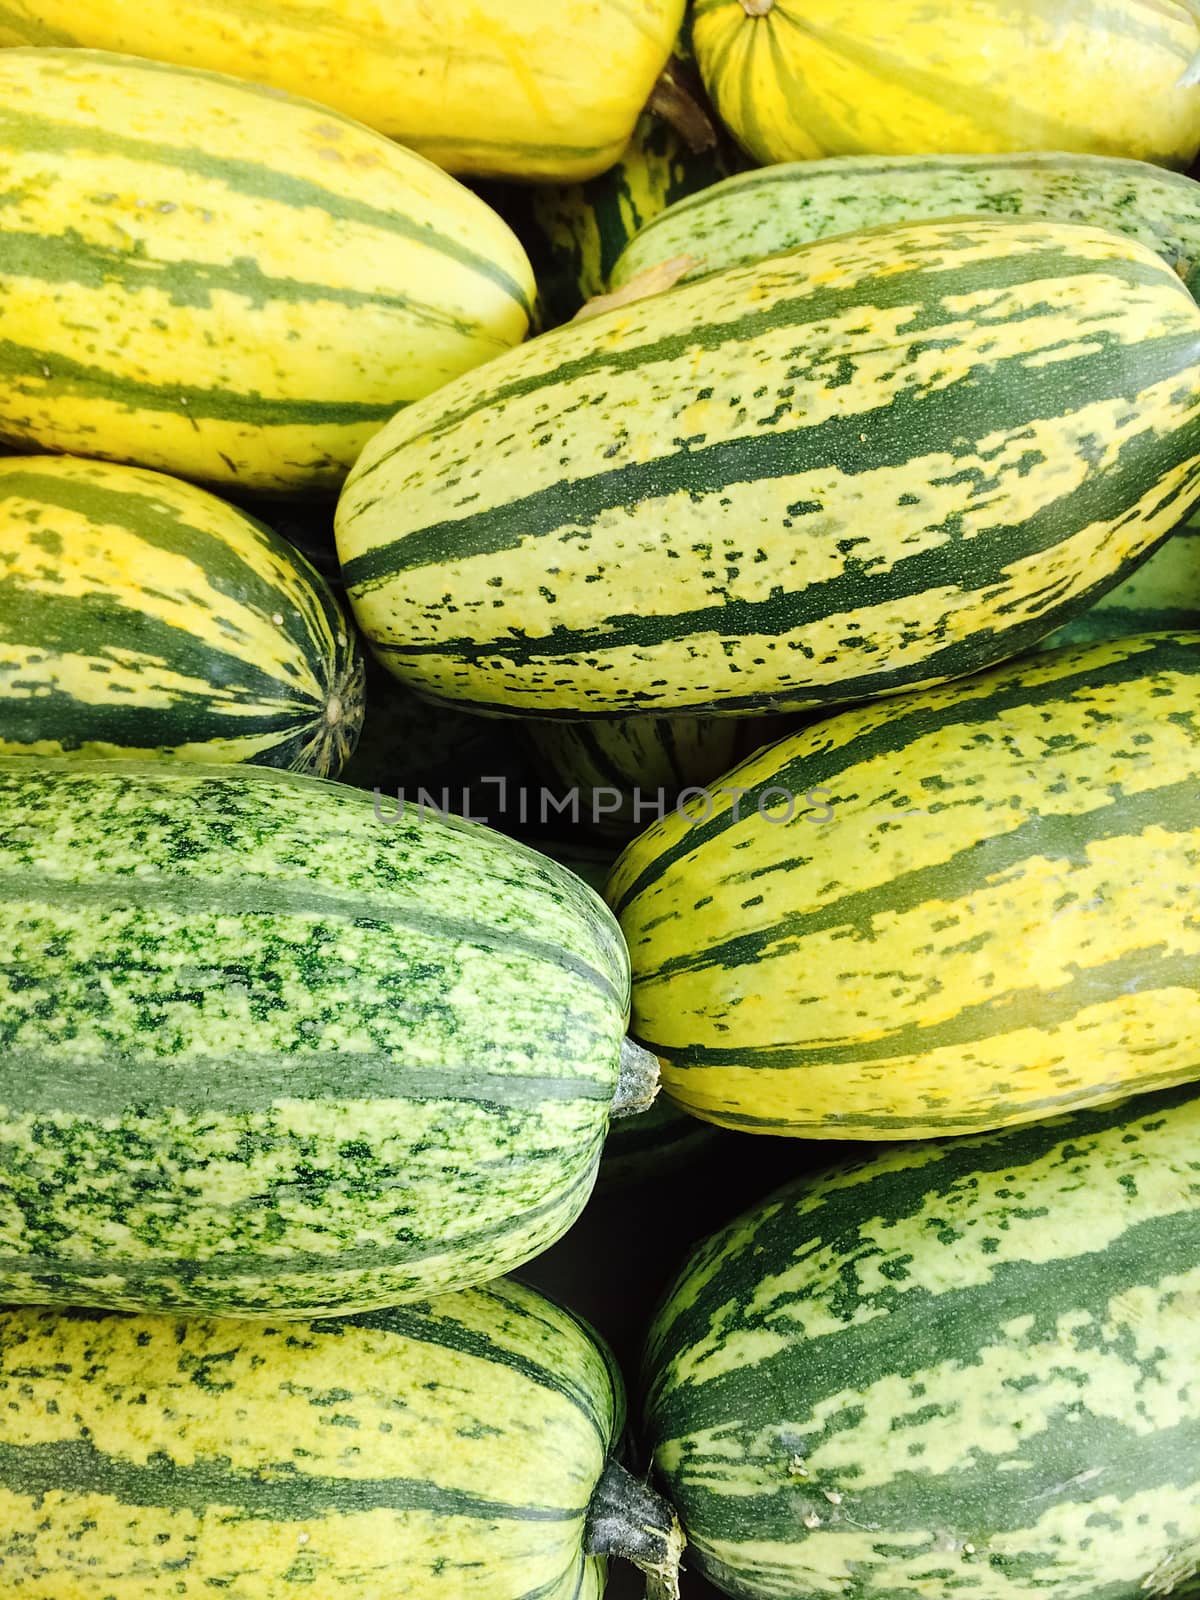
<point x="958" y="1369"/>
<point x="286" y="1052"/>
<point x="885" y="460"/>
<point x="939" y="913"/>
<point x="449" y="1447"/>
<point x="806" y="78"/>
<point x="500" y="88"/>
<point x="217" y="280"/>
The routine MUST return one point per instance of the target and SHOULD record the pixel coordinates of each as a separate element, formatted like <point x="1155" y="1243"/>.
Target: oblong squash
<point x="495" y="87"/>
<point x="451" y="1448"/>
<point x="884" y="460"/>
<point x="272" y="1050"/>
<point x="756" y="214"/>
<point x="226" y="283"/>
<point x="140" y="616"/>
<point x="793" y="79"/>
<point x="963" y="1368"/>
<point x="939" y="914"/>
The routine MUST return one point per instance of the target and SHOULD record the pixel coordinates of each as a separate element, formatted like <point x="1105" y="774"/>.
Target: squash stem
<point x="628" y="1519"/>
<point x="757" y="8"/>
<point x="637" y="1081"/>
<point x="675" y="101"/>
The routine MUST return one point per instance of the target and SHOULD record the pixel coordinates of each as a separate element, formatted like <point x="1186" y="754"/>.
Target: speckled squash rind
<point x="885" y="460"/>
<point x="785" y="207"/>
<point x="937" y="914"/>
<point x="270" y="1051"/>
<point x="140" y="616"/>
<point x="217" y="280"/>
<point x="446" y="1450"/>
<point x="961" y="1369"/>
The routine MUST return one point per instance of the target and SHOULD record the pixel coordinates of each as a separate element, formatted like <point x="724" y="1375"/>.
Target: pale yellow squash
<point x="795" y="79"/>
<point x="491" y="87"/>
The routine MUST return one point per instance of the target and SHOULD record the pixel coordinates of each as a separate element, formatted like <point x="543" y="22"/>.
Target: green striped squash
<point x="959" y="1369"/>
<point x="453" y="1448"/>
<point x="936" y="914"/>
<point x="795" y="79"/>
<point x="1162" y="593"/>
<point x="215" y="279"/>
<point x="782" y="208"/>
<point x="270" y="1051"/>
<point x="886" y="460"/>
<point x="140" y="616"/>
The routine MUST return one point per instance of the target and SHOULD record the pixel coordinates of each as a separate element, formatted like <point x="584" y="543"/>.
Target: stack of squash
<point x="778" y="424"/>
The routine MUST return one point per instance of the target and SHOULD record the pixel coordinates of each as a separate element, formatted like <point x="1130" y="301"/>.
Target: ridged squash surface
<point x="947" y="912"/>
<point x="224" y="282"/>
<point x="266" y="1054"/>
<point x="885" y="460"/>
<point x="446" y="1450"/>
<point x="961" y="1369"/>
<point x="794" y="79"/>
<point x="141" y="616"/>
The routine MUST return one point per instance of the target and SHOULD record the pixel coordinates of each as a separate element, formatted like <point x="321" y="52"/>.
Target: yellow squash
<point x="937" y="914"/>
<point x="141" y="617"/>
<point x="226" y="283"/>
<point x="887" y="459"/>
<point x="491" y="87"/>
<point x="794" y="79"/>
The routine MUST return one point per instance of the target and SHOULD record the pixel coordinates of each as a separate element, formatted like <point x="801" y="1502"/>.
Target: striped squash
<point x="782" y="208"/>
<point x="493" y="87"/>
<point x="215" y="279"/>
<point x="1163" y="593"/>
<point x="885" y="460"/>
<point x="575" y="233"/>
<point x="440" y="1450"/>
<point x="958" y="1369"/>
<point x="268" y="1055"/>
<point x="936" y="914"/>
<point x="140" y="616"/>
<point x="794" y="79"/>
